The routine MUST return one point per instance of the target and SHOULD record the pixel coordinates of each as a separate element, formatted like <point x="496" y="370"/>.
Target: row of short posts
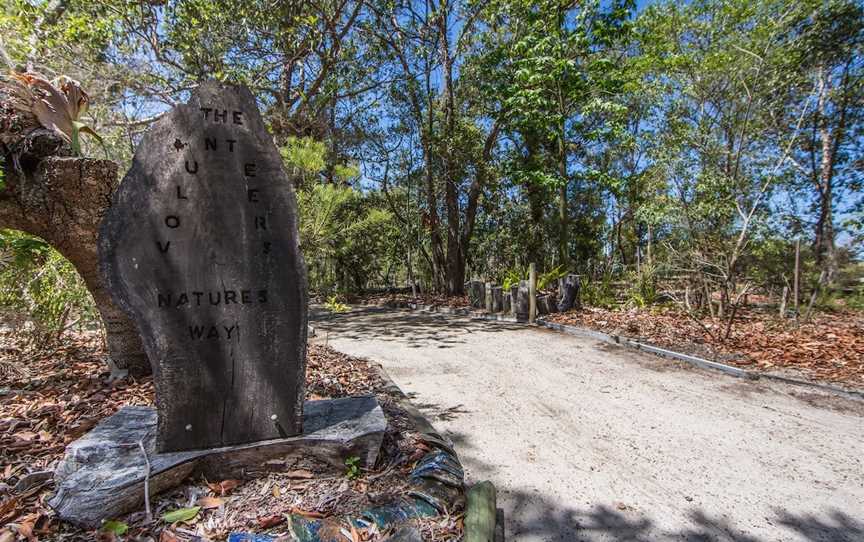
<point x="522" y="301"/>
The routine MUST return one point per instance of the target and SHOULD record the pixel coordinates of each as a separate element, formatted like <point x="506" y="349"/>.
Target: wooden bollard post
<point x="480" y="508"/>
<point x="488" y="291"/>
<point x="532" y="293"/>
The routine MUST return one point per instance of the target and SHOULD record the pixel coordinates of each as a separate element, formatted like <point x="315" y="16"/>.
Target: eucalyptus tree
<point x="719" y="70"/>
<point x="821" y="77"/>
<point x="557" y="80"/>
<point x="426" y="43"/>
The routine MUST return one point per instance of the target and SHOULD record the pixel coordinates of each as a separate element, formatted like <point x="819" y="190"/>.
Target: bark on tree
<point x="831" y="133"/>
<point x="62" y="200"/>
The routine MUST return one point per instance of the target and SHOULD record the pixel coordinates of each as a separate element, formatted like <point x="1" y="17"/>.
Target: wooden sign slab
<point x="200" y="247"/>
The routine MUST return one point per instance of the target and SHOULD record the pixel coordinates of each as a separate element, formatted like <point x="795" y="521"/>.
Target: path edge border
<point x="427" y="431"/>
<point x="692" y="360"/>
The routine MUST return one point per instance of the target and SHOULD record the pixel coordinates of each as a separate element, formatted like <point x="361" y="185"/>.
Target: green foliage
<point x="181" y="514"/>
<point x="304" y="155"/>
<point x="579" y="132"/>
<point x="335" y="306"/>
<point x="544" y="280"/>
<point x="114" y="527"/>
<point x="39" y="283"/>
<point x="512" y="278"/>
<point x="598" y="293"/>
<point x="642" y="291"/>
<point x="352" y="468"/>
<point x="348" y="238"/>
<point x="345" y="173"/>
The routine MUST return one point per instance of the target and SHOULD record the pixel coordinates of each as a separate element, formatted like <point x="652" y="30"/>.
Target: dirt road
<point x="587" y="441"/>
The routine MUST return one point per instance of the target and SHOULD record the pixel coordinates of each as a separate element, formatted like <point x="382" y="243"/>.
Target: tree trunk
<point x="825" y="225"/>
<point x="563" y="212"/>
<point x="62" y="200"/>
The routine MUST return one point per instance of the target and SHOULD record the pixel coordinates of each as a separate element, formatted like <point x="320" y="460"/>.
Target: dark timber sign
<point x="200" y="247"/>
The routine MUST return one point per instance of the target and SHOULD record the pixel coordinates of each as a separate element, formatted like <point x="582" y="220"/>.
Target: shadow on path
<point x="539" y="517"/>
<point x="416" y="329"/>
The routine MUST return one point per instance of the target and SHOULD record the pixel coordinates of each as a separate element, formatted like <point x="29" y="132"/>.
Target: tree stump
<point x="497" y="299"/>
<point x="568" y="289"/>
<point x="523" y="301"/>
<point x="477" y="294"/>
<point x="543" y="304"/>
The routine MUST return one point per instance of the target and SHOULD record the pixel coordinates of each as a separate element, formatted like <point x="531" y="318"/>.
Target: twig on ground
<point x="146" y="482"/>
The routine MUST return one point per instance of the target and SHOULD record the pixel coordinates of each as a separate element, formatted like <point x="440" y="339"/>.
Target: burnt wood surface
<point x="200" y="247"/>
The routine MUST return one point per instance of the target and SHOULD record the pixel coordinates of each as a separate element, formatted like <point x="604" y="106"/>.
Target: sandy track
<point x="587" y="441"/>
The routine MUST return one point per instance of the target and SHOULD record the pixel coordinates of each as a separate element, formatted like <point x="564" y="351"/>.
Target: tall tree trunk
<point x="455" y="252"/>
<point x="826" y="253"/>
<point x="563" y="211"/>
<point x="536" y="196"/>
<point x="62" y="200"/>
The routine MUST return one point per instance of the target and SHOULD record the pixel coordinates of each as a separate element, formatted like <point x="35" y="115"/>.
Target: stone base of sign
<point x="103" y="474"/>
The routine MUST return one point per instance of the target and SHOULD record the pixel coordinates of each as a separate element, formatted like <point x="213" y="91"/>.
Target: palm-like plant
<point x="33" y="102"/>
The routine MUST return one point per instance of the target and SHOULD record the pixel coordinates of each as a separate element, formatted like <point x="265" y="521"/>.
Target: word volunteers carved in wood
<point x="200" y="248"/>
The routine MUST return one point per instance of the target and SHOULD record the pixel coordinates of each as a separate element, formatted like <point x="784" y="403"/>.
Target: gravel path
<point x="587" y="441"/>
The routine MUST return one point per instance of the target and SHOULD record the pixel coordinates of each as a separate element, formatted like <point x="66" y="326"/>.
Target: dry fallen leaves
<point x="307" y="513"/>
<point x="224" y="487"/>
<point x="829" y="348"/>
<point x="269" y="522"/>
<point x="208" y="503"/>
<point x="68" y="392"/>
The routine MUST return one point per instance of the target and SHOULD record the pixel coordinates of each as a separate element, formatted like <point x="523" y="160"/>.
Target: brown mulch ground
<point x="48" y="399"/>
<point x="829" y="348"/>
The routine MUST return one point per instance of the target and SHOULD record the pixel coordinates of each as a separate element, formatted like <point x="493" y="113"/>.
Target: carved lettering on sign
<point x="195" y="260"/>
<point x="199" y="332"/>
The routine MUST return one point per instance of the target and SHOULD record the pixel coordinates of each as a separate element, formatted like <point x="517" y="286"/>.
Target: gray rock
<point x="200" y="247"/>
<point x="102" y="474"/>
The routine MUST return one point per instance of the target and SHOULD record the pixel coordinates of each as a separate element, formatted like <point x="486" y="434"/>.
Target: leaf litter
<point x="55" y="396"/>
<point x="829" y="348"/>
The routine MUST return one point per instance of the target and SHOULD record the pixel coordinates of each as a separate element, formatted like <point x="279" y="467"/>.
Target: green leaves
<point x="305" y="155"/>
<point x="181" y="514"/>
<point x="352" y="465"/>
<point x="114" y="527"/>
<point x="37" y="281"/>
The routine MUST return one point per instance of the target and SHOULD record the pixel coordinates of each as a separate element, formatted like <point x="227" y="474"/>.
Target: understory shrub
<point x="42" y="289"/>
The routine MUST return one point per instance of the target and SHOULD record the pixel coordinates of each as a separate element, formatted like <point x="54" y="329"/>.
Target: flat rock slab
<point x="102" y="474"/>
